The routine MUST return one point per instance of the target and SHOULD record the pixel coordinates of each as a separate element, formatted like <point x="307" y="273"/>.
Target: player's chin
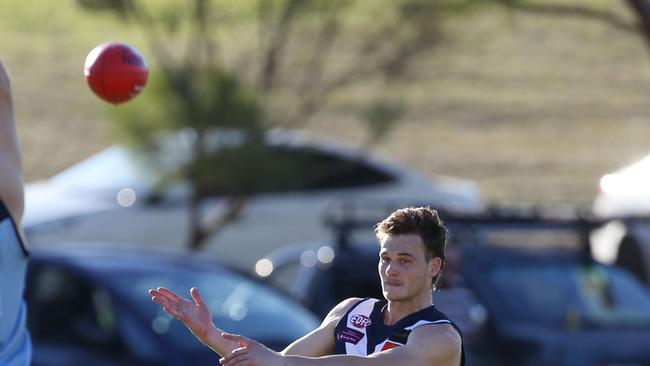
<point x="393" y="294"/>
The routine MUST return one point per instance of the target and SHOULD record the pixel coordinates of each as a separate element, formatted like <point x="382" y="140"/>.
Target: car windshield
<point x="238" y="305"/>
<point x="112" y="168"/>
<point x="572" y="295"/>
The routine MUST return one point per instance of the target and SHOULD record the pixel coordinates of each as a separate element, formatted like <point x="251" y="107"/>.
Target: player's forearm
<point x="8" y="137"/>
<point x="6" y="105"/>
<point x="336" y="360"/>
<point x="346" y="360"/>
<point x="11" y="184"/>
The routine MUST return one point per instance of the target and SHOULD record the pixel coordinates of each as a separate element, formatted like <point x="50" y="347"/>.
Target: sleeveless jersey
<point x="15" y="344"/>
<point x="362" y="332"/>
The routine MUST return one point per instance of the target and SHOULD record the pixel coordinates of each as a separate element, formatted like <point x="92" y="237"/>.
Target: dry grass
<point x="533" y="108"/>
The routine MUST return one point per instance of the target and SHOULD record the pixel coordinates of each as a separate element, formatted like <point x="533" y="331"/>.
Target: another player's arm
<point x="320" y="341"/>
<point x="437" y="344"/>
<point x="11" y="178"/>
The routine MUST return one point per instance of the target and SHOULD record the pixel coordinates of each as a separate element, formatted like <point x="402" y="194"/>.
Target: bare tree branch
<point x="576" y="11"/>
<point x="276" y="45"/>
<point x="321" y="52"/>
<point x="311" y="102"/>
<point x="213" y="224"/>
<point x="150" y="29"/>
<point x="642" y="10"/>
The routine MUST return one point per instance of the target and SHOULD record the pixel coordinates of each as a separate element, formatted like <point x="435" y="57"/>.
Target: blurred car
<point x="91" y="307"/>
<point x="557" y="309"/>
<point x="112" y="196"/>
<point x="624" y="200"/>
<point x="523" y="290"/>
<point x="625" y="192"/>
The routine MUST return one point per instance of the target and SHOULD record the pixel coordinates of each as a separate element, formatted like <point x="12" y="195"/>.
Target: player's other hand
<point x="250" y="353"/>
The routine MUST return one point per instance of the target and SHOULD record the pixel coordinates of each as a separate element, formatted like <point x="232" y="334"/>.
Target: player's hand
<point x="195" y="315"/>
<point x="250" y="353"/>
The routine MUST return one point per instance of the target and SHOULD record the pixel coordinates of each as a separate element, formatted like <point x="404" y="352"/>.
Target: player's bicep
<point x="319" y="342"/>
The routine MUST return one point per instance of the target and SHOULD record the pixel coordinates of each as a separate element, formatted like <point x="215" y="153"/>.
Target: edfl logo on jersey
<point x="360" y="321"/>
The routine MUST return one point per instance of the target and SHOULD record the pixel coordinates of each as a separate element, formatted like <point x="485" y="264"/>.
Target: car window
<point x="461" y="305"/>
<point x="66" y="309"/>
<point x="280" y="169"/>
<point x="309" y="169"/>
<point x="237" y="304"/>
<point x="284" y="277"/>
<point x="571" y="295"/>
<point x="353" y="273"/>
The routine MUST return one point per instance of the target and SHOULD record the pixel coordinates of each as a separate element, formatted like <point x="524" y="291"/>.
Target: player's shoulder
<point x="343" y="307"/>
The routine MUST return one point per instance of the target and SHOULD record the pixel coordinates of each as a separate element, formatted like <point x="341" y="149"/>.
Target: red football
<point x="116" y="72"/>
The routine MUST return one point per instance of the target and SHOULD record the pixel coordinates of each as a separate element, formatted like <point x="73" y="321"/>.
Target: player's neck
<point x="397" y="310"/>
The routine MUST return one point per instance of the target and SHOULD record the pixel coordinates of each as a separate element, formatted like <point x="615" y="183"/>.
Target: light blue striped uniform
<point x="15" y="344"/>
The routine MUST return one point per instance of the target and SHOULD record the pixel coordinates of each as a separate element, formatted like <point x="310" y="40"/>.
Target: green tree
<point x="230" y="71"/>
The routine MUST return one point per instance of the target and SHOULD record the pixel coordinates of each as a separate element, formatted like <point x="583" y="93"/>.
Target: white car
<point x="111" y="197"/>
<point x="625" y="192"/>
<point x="624" y="198"/>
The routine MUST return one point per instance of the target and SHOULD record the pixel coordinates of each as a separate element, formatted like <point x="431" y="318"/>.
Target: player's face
<point x="404" y="271"/>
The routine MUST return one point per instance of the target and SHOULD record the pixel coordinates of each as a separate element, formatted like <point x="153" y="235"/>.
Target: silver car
<point x="111" y="196"/>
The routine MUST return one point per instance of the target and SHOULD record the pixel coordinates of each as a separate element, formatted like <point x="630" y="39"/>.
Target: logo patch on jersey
<point x="360" y="321"/>
<point x="350" y="335"/>
<point x="389" y="345"/>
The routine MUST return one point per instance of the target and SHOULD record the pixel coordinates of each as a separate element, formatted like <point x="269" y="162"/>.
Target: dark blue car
<point x="91" y="307"/>
<point x="556" y="309"/>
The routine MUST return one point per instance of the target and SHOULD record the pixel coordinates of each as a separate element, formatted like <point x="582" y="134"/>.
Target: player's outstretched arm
<point x="196" y="316"/>
<point x="11" y="179"/>
<point x="428" y="345"/>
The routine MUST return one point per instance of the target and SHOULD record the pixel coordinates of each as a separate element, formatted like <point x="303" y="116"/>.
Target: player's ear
<point x="435" y="264"/>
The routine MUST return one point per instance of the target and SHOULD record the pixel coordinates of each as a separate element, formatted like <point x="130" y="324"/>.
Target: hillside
<point x="534" y="108"/>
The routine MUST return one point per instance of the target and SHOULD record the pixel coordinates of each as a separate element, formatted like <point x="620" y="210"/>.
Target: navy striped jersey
<point x="362" y="331"/>
<point x="15" y="344"/>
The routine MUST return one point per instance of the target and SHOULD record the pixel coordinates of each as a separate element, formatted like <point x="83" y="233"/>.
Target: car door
<point x="73" y="321"/>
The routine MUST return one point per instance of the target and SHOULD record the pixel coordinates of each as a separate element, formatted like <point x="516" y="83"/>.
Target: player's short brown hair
<point x="422" y="221"/>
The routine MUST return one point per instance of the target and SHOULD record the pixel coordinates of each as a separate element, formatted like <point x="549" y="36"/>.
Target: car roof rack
<point x="521" y="226"/>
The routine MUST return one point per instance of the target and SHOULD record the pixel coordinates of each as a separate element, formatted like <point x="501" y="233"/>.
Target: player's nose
<point x="391" y="270"/>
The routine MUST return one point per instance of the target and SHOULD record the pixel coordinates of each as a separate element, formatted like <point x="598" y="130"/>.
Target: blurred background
<point x="532" y="104"/>
<point x="273" y="134"/>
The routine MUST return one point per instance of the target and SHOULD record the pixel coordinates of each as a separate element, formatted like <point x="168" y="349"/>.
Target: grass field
<point x="533" y="108"/>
